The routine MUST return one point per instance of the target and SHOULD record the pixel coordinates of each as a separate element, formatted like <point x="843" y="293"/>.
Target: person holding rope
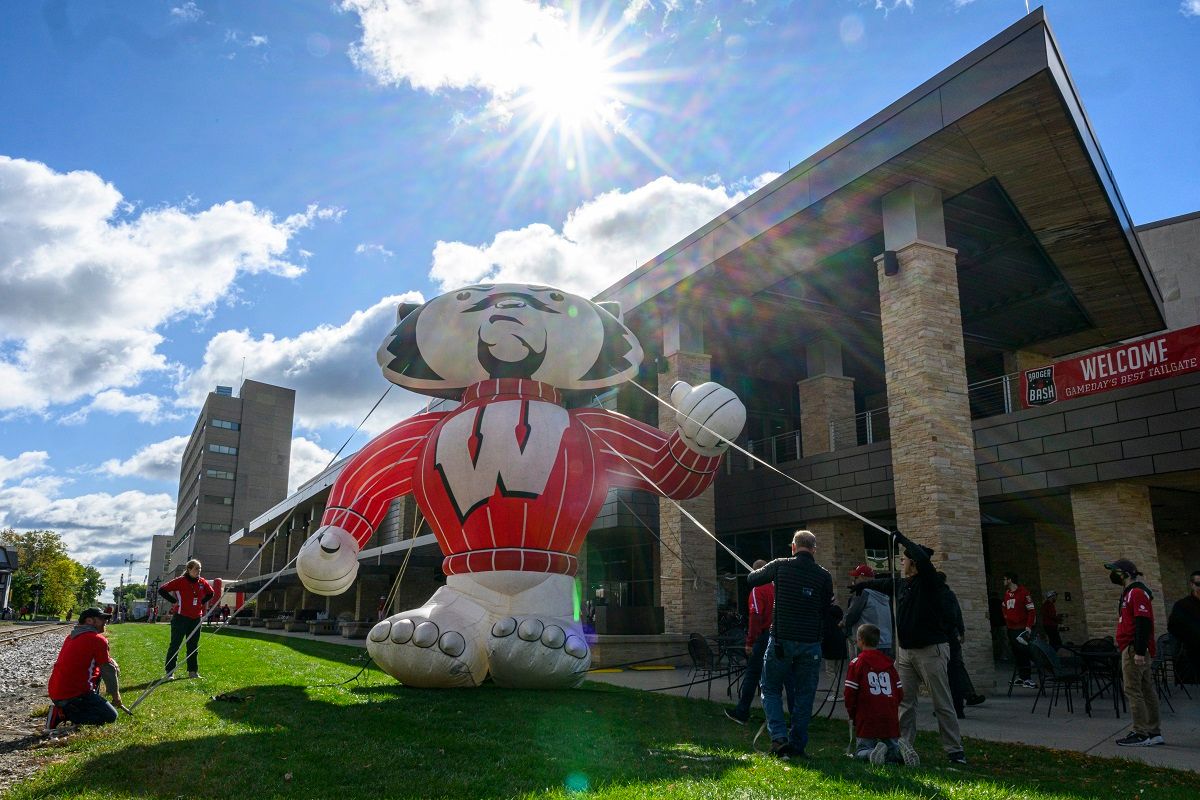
<point x="760" y="606"/>
<point x="191" y="593"/>
<point x="803" y="595"/>
<point x="924" y="652"/>
<point x="82" y="663"/>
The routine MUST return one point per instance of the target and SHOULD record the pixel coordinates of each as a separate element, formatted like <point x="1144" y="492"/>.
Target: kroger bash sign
<point x="1149" y="359"/>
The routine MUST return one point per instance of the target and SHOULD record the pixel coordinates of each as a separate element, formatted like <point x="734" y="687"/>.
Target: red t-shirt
<point x="77" y="670"/>
<point x="190" y="595"/>
<point x="760" y="607"/>
<point x="1049" y="615"/>
<point x="1019" y="610"/>
<point x="1135" y="602"/>
<point x="873" y="694"/>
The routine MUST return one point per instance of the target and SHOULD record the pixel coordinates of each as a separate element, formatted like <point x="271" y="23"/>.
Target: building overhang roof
<point x="1005" y="115"/>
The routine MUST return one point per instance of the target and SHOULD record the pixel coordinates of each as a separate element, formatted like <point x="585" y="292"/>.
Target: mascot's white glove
<point x="709" y="416"/>
<point x="328" y="561"/>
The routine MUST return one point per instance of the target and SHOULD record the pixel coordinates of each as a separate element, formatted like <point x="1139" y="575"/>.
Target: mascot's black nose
<point x="333" y="549"/>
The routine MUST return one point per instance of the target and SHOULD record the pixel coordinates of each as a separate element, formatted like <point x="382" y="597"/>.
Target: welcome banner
<point x="1159" y="356"/>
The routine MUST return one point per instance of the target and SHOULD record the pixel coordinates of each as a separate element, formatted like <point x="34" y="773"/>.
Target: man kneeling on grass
<point x="75" y="680"/>
<point x="873" y="694"/>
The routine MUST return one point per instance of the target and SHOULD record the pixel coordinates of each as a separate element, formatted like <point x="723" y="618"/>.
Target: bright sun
<point x="573" y="86"/>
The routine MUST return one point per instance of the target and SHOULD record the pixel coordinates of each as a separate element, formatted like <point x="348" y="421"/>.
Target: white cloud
<point x="158" y="461"/>
<point x="308" y="460"/>
<point x="332" y="368"/>
<point x="147" y="408"/>
<point x="600" y="241"/>
<point x="373" y="249"/>
<point x="99" y="529"/>
<point x="1189" y="8"/>
<point x="256" y="40"/>
<point x="496" y="46"/>
<point x="188" y="12"/>
<point x="24" y="464"/>
<point x="87" y="283"/>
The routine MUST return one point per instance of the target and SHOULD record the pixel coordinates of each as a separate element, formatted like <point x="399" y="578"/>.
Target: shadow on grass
<point x="296" y="741"/>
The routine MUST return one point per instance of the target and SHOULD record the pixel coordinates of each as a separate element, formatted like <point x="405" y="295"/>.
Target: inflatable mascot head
<point x="509" y="330"/>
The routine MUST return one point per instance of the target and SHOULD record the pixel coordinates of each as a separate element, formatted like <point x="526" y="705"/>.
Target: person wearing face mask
<point x="1135" y="641"/>
<point x="1020" y="614"/>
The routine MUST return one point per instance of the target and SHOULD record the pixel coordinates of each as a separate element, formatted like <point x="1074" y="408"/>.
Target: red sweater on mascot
<point x="510" y="480"/>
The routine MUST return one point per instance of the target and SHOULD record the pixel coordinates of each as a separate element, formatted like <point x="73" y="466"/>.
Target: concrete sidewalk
<point x="999" y="719"/>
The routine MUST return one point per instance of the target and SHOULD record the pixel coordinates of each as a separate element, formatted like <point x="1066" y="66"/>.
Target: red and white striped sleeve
<point x="376" y="475"/>
<point x="637" y="456"/>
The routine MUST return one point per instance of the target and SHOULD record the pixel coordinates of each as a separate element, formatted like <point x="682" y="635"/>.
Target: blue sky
<point x="184" y="185"/>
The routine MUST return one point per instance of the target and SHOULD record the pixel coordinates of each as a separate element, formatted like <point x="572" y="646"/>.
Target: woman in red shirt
<point x="191" y="593"/>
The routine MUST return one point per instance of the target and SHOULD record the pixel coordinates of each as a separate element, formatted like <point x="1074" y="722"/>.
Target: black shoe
<point x="975" y="699"/>
<point x="733" y="715"/>
<point x="958" y="757"/>
<point x="1134" y="740"/>
<point x="960" y="715"/>
<point x="782" y="748"/>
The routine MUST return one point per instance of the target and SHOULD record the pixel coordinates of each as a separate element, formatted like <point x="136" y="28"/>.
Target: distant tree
<point x="43" y="561"/>
<point x="93" y="585"/>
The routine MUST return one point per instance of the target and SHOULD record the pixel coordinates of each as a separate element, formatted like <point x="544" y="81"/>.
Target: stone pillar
<point x="840" y="548"/>
<point x="1112" y="520"/>
<point x="932" y="442"/>
<point x="686" y="589"/>
<point x="826" y="396"/>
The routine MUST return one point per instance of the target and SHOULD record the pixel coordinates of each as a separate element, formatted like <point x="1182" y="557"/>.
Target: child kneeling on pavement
<point x="873" y="694"/>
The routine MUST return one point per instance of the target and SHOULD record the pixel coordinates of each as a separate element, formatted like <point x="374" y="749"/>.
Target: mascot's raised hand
<point x="709" y="416"/>
<point x="510" y="480"/>
<point x="328" y="561"/>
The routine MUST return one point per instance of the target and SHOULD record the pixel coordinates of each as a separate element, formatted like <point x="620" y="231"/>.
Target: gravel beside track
<point x="24" y="669"/>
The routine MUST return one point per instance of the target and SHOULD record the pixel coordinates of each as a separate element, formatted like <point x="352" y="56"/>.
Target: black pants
<point x="88" y="709"/>
<point x="1053" y="638"/>
<point x="961" y="686"/>
<point x="1020" y="652"/>
<point x="184" y="628"/>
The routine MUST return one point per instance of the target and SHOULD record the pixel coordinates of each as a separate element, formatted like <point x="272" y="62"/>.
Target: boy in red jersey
<point x="82" y="663"/>
<point x="873" y="694"/>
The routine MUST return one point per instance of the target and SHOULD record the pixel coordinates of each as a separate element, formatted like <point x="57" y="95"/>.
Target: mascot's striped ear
<point x="620" y="355"/>
<point x="614" y="308"/>
<point x="400" y="357"/>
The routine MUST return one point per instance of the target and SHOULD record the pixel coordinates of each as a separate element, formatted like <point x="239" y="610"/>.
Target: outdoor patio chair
<point x="1163" y="668"/>
<point x="1053" y="675"/>
<point x="704" y="662"/>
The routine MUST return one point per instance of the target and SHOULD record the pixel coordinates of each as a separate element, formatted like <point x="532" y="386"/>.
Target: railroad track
<point x="16" y="634"/>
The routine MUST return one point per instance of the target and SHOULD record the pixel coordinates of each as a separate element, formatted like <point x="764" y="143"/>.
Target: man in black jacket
<point x="803" y="595"/>
<point x="923" y="655"/>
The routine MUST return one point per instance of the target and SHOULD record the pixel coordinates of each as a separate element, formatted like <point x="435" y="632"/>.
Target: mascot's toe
<point x="435" y="646"/>
<point x="538" y="653"/>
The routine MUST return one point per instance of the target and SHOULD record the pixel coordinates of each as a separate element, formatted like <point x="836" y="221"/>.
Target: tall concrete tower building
<point x="234" y="468"/>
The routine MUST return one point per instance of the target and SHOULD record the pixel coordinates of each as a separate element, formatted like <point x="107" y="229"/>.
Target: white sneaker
<point x="1154" y="740"/>
<point x="909" y="754"/>
<point x="170" y="676"/>
<point x="878" y="754"/>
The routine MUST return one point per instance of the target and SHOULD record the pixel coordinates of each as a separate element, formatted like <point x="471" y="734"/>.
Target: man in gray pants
<point x="924" y="652"/>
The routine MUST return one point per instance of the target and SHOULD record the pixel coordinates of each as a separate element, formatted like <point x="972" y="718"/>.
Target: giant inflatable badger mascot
<point x="509" y="481"/>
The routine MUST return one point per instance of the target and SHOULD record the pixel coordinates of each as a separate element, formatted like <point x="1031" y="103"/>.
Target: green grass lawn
<point x="374" y="739"/>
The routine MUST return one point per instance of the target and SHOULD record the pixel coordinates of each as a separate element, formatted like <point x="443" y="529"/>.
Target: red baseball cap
<point x="862" y="571"/>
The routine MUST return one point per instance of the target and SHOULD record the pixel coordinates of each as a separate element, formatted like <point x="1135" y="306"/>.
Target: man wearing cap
<point x="1051" y="619"/>
<point x="1135" y="641"/>
<point x="75" y="679"/>
<point x="924" y="652"/>
<point x="1020" y="614"/>
<point x="869" y="606"/>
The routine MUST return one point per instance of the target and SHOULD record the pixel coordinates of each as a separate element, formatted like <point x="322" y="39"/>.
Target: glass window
<point x="224" y="474"/>
<point x="216" y="498"/>
<point x="224" y="423"/>
<point x="221" y="527"/>
<point x="223" y="449"/>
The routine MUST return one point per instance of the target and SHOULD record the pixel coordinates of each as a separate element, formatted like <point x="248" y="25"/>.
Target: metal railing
<point x="987" y="398"/>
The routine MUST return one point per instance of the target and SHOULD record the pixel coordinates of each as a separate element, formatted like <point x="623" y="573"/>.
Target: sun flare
<point x="573" y="85"/>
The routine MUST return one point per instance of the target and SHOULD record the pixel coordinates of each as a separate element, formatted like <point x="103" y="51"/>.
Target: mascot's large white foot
<point x="531" y="652"/>
<point x="439" y="645"/>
